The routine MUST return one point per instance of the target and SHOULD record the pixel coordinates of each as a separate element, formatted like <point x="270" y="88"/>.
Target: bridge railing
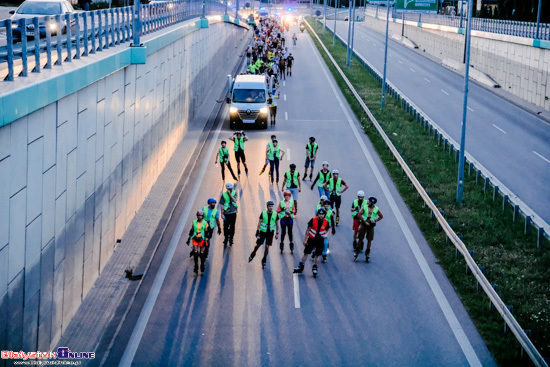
<point x="29" y="46"/>
<point x="507" y="27"/>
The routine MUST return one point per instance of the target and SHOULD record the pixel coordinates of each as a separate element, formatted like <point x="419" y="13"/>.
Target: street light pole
<point x="324" y="16"/>
<point x="460" y="183"/>
<point x="386" y="57"/>
<point x="349" y="34"/>
<point x="237" y="10"/>
<point x="334" y="28"/>
<point x="538" y="19"/>
<point x="352" y="36"/>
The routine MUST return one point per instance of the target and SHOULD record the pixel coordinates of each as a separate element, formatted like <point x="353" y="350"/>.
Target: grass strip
<point x="512" y="261"/>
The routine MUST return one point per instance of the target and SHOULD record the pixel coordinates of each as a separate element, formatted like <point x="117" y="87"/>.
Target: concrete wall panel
<point x="16" y="247"/>
<point x="4" y="200"/>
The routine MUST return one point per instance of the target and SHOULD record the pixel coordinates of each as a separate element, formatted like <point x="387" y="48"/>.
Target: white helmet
<point x="360" y="193"/>
<point x="335" y="171"/>
<point x="229" y="185"/>
<point x="325" y="163"/>
<point x="324" y="197"/>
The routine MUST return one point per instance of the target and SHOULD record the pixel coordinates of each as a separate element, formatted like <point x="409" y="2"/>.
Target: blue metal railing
<point x="507" y="27"/>
<point x="84" y="33"/>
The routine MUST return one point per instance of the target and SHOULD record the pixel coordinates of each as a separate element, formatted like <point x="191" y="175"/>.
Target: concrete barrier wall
<point x="74" y="173"/>
<point x="520" y="68"/>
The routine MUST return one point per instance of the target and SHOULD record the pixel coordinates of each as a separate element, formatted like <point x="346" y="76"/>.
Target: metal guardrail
<point x="507" y="27"/>
<point x="483" y="283"/>
<point x="86" y="33"/>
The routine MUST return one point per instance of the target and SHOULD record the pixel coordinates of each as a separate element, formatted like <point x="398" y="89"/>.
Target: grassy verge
<point x="511" y="258"/>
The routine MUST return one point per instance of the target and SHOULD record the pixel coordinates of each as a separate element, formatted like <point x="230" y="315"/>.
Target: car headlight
<point x="233" y="110"/>
<point x="15" y="25"/>
<point x="53" y="26"/>
<point x="263" y="110"/>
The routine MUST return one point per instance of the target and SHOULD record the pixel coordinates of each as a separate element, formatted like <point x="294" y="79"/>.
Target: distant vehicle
<point x="167" y="4"/>
<point x="40" y="8"/>
<point x="248" y="101"/>
<point x="346" y="18"/>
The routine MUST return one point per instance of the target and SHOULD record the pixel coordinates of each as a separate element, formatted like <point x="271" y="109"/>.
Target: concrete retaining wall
<point x="74" y="173"/>
<point x="520" y="68"/>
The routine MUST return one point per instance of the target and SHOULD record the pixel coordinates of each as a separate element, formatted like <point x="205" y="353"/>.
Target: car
<point x="40" y="8"/>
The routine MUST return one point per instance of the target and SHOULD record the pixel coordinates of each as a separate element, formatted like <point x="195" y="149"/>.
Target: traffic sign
<point x="417" y="5"/>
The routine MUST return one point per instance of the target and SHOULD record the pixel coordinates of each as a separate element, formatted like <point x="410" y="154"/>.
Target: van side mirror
<point x="228" y="100"/>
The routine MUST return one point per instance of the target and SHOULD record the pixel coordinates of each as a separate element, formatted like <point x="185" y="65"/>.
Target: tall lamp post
<point x="460" y="183"/>
<point x="334" y="28"/>
<point x="538" y="19"/>
<point x="324" y="16"/>
<point x="386" y="57"/>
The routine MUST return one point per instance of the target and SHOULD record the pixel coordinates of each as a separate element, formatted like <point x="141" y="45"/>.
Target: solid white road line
<point x="547" y="161"/>
<point x="399" y="61"/>
<point x="448" y="312"/>
<point x="411" y="69"/>
<point x="284" y="83"/>
<point x="428" y="80"/>
<point x="296" y="291"/>
<point x="470" y="109"/>
<point x="286" y="115"/>
<point x="444" y="92"/>
<point x="147" y="309"/>
<point x="287" y="154"/>
<point x="284" y="97"/>
<point x="498" y="128"/>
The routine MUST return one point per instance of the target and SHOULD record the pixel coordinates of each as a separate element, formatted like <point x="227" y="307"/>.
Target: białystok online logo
<point x="62" y="353"/>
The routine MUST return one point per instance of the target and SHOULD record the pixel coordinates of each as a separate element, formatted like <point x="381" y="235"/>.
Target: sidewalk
<point x="96" y="311"/>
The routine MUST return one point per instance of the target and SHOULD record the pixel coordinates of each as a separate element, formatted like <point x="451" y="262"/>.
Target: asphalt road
<point x="398" y="310"/>
<point x="512" y="143"/>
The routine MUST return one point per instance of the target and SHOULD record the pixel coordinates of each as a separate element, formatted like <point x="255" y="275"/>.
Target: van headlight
<point x="53" y="26"/>
<point x="233" y="110"/>
<point x="263" y="110"/>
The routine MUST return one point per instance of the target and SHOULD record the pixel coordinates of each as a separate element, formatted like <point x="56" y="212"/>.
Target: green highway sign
<point x="417" y="5"/>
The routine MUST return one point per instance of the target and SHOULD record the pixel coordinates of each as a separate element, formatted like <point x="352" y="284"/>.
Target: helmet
<point x="224" y="142"/>
<point x="199" y="212"/>
<point x="325" y="163"/>
<point x="324" y="197"/>
<point x="312" y="138"/>
<point x="326" y="202"/>
<point x="229" y="185"/>
<point x="321" y="211"/>
<point x="335" y="171"/>
<point x="373" y="200"/>
<point x="287" y="193"/>
<point x="360" y="193"/>
<point x="269" y="203"/>
<point x="292" y="166"/>
<point x="211" y="200"/>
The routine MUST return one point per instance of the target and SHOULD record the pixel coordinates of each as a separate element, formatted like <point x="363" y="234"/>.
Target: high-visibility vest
<point x="338" y="186"/>
<point x="238" y="143"/>
<point x="199" y="228"/>
<point x="274" y="152"/>
<point x="266" y="221"/>
<point x="210" y="218"/>
<point x="224" y="154"/>
<point x="227" y="199"/>
<point x="282" y="214"/>
<point x="329" y="211"/>
<point x="323" y="177"/>
<point x="356" y="207"/>
<point x="373" y="215"/>
<point x="291" y="180"/>
<point x="319" y="206"/>
<point x="316" y="228"/>
<point x="312" y="149"/>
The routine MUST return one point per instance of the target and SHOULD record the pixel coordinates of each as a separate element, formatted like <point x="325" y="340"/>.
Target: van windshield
<point x="249" y="95"/>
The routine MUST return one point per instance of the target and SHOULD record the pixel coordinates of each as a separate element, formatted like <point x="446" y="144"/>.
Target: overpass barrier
<point x="503" y="309"/>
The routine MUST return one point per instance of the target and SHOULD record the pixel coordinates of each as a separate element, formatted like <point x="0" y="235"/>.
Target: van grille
<point x="248" y="115"/>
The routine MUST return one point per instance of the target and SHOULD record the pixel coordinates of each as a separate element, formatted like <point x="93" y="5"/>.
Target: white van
<point x="248" y="101"/>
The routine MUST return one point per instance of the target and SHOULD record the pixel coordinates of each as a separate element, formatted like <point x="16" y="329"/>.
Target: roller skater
<point x="330" y="217"/>
<point x="286" y="212"/>
<point x="197" y="233"/>
<point x="317" y="231"/>
<point x="356" y="206"/>
<point x="267" y="225"/>
<point x="370" y="215"/>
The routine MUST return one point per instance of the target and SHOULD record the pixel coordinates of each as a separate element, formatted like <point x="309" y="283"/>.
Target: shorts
<point x="312" y="244"/>
<point x="265" y="236"/>
<point x="273" y="111"/>
<point x="335" y="200"/>
<point x="356" y="223"/>
<point x="294" y="193"/>
<point x="199" y="242"/>
<point x="239" y="156"/>
<point x="366" y="230"/>
<point x="310" y="161"/>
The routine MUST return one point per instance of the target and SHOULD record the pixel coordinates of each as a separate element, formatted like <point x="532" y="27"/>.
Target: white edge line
<point x="296" y="291"/>
<point x="444" y="92"/>
<point x="548" y="161"/>
<point x="411" y="69"/>
<point x="448" y="312"/>
<point x="498" y="128"/>
<point x="141" y="324"/>
<point x="470" y="109"/>
<point x="428" y="80"/>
